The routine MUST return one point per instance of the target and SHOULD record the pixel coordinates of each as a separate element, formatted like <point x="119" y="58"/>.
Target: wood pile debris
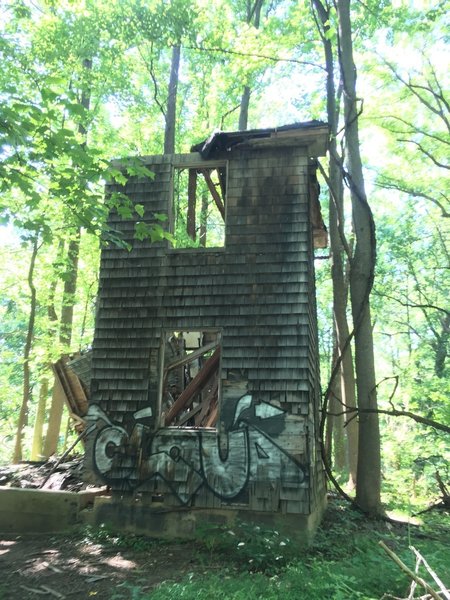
<point x="43" y="475"/>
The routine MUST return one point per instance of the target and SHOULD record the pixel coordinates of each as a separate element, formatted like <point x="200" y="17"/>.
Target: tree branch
<point x="414" y="129"/>
<point x="430" y="156"/>
<point x="413" y="88"/>
<point x="275" y="59"/>
<point x="389" y="184"/>
<point x="393" y="413"/>
<point x="410" y="573"/>
<point x="149" y="67"/>
<point x="413" y="304"/>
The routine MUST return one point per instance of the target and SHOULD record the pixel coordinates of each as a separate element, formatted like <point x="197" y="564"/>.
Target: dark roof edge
<point x="223" y="140"/>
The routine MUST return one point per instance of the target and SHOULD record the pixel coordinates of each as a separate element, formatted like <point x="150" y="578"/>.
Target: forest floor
<point x="46" y="566"/>
<point x="344" y="563"/>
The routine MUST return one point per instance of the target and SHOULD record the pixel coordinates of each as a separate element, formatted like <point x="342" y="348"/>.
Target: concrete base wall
<point x="41" y="511"/>
<point x="46" y="511"/>
<point x="138" y="518"/>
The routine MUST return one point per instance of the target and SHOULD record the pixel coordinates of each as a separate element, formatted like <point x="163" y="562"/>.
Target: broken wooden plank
<point x="214" y="193"/>
<point x="189" y="415"/>
<point x="206" y="404"/>
<point x="190" y="357"/>
<point x="73" y="390"/>
<point x="212" y="418"/>
<point x="187" y="395"/>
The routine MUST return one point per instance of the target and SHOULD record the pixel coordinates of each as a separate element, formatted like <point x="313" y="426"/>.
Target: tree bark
<point x="253" y="16"/>
<point x="70" y="288"/>
<point x="441" y="346"/>
<point x="243" y="113"/>
<point x="38" y="431"/>
<point x="192" y="204"/>
<point x="54" y="420"/>
<point x="23" y="415"/>
<point x="368" y="487"/>
<point x="337" y="250"/>
<point x="203" y="220"/>
<point x="171" y="112"/>
<point x="68" y="300"/>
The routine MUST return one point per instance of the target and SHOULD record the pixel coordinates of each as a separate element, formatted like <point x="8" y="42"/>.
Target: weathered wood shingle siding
<point x="258" y="289"/>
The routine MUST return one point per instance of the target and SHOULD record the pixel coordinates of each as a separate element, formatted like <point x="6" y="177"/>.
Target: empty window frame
<point x="190" y="378"/>
<point x="199" y="200"/>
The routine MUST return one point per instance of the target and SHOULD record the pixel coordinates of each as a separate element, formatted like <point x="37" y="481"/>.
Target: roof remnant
<point x="298" y="134"/>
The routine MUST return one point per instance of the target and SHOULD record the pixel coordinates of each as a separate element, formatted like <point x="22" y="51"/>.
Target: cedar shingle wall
<point x="259" y="290"/>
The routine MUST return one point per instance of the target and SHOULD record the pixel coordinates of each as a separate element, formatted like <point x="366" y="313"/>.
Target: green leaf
<point x="139" y="208"/>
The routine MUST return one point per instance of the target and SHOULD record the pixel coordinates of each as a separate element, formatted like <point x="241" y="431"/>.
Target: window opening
<point x="190" y="391"/>
<point x="199" y="207"/>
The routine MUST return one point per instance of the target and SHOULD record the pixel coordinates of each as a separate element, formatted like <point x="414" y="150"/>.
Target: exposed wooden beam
<point x="190" y="357"/>
<point x="194" y="387"/>
<point x="214" y="193"/>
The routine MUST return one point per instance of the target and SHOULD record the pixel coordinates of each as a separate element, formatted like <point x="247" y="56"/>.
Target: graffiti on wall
<point x="225" y="462"/>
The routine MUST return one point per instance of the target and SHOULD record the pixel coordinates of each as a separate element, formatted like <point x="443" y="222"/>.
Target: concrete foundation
<point x="135" y="517"/>
<point x="41" y="511"/>
<point x="25" y="511"/>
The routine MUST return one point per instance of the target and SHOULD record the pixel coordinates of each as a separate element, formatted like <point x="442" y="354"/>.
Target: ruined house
<point x="205" y="395"/>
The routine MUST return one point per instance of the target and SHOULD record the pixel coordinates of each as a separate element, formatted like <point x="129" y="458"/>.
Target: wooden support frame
<point x="194" y="387"/>
<point x="199" y="206"/>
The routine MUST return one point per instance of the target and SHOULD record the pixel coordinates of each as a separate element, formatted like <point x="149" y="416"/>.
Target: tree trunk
<point x="171" y="112"/>
<point x="70" y="288"/>
<point x="68" y="300"/>
<point x="243" y="114"/>
<point x="338" y="245"/>
<point x="361" y="279"/>
<point x="348" y="387"/>
<point x="54" y="420"/>
<point x="203" y="220"/>
<point x="65" y="339"/>
<point x="38" y="431"/>
<point x="192" y="204"/>
<point x="253" y="16"/>
<point x="441" y="346"/>
<point x="23" y="415"/>
<point x="339" y="440"/>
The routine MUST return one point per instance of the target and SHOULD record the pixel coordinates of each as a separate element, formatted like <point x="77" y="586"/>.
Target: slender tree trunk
<point x="441" y="346"/>
<point x="171" y="112"/>
<point x="243" y="114"/>
<point x="38" y="431"/>
<point x="192" y="205"/>
<point x="348" y="386"/>
<point x="339" y="440"/>
<point x="203" y="220"/>
<point x="70" y="288"/>
<point x="54" y="420"/>
<point x="253" y="16"/>
<point x="68" y="301"/>
<point x="86" y="310"/>
<point x="23" y="415"/>
<point x="337" y="249"/>
<point x="361" y="279"/>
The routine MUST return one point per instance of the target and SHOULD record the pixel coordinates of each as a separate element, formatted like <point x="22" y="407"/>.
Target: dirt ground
<point x="72" y="567"/>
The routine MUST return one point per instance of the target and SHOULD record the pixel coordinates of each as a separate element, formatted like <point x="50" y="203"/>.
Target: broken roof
<point x="313" y="134"/>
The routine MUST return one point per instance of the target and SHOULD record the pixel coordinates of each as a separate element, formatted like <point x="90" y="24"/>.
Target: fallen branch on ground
<point x="416" y="580"/>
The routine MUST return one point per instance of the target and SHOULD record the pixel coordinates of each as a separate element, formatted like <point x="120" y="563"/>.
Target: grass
<point x="344" y="563"/>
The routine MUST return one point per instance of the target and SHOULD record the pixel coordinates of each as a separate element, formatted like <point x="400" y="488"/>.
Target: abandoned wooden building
<point x="205" y="386"/>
